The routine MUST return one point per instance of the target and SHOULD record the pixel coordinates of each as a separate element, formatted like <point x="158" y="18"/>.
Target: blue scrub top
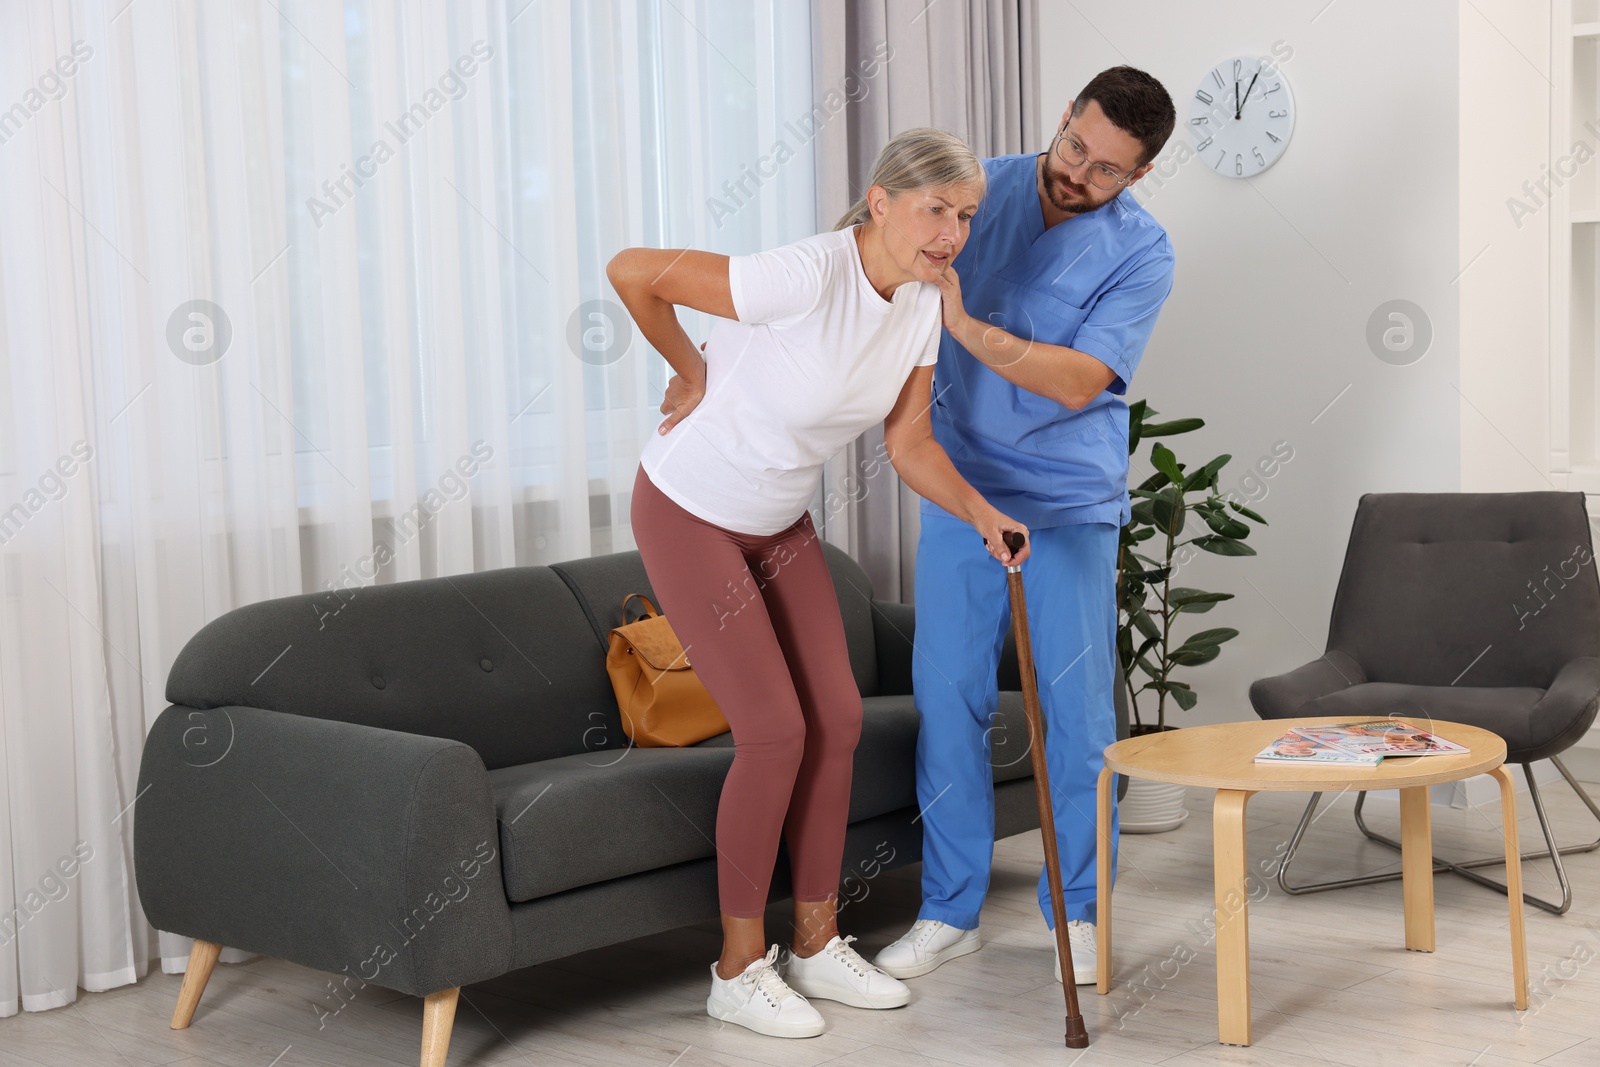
<point x="1095" y="283"/>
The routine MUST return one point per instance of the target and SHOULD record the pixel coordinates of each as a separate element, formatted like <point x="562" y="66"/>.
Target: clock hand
<point x="1236" y="105"/>
<point x="1239" y="110"/>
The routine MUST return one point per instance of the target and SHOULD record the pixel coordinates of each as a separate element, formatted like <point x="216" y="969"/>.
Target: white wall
<point x="1276" y="279"/>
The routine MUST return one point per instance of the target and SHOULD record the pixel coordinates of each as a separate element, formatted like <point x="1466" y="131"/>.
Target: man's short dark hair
<point x="1135" y="103"/>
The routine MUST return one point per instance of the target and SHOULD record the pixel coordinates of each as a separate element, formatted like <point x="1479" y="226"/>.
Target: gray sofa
<point x="425" y="785"/>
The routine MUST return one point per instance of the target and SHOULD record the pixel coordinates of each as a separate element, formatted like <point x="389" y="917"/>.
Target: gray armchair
<point x="1479" y="608"/>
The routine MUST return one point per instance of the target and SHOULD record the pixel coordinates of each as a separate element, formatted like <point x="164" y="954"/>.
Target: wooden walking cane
<point x="1077" y="1036"/>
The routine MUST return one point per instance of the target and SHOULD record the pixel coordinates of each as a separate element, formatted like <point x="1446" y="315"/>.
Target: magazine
<point x="1380" y="737"/>
<point x="1292" y="748"/>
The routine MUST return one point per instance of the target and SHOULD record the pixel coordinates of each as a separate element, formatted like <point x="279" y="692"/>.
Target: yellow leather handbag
<point x="663" y="703"/>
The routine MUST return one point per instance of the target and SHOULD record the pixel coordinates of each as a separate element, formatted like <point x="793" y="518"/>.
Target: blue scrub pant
<point x="963" y="616"/>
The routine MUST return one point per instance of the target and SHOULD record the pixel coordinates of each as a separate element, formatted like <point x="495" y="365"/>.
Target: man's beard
<point x="1067" y="197"/>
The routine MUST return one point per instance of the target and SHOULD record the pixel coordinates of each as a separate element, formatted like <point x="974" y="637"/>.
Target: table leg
<point x="1102" y="852"/>
<point x="1232" y="914"/>
<point x="1519" y="945"/>
<point x="1416" y="866"/>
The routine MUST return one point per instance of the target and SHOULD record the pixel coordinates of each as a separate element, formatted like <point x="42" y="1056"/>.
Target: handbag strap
<point x="650" y="608"/>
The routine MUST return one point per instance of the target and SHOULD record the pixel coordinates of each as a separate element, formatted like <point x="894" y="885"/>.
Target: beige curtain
<point x="879" y="67"/>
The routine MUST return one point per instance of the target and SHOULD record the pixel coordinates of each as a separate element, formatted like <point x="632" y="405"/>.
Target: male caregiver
<point x="1047" y="311"/>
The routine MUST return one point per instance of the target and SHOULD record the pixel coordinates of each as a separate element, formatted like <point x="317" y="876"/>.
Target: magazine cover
<point x="1381" y="737"/>
<point x="1292" y="748"/>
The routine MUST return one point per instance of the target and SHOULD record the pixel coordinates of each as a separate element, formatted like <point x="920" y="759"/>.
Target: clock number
<point x="1222" y="153"/>
<point x="1238" y="164"/>
<point x="1275" y="87"/>
<point x="1272" y="137"/>
<point x="1202" y="95"/>
<point x="1217" y="77"/>
<point x="1236" y="70"/>
<point x="1276" y="114"/>
<point x="1203" y="145"/>
<point x="1201" y="121"/>
<point x="1257" y="153"/>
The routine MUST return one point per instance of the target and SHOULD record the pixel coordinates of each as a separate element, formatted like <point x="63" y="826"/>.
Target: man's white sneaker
<point x="1085" y="952"/>
<point x="925" y="946"/>
<point x="839" y="973"/>
<point x="758" y="999"/>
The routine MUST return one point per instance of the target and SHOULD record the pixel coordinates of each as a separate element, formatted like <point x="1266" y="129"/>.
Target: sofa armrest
<point x="1283" y="695"/>
<point x="370" y="853"/>
<point x="894" y="628"/>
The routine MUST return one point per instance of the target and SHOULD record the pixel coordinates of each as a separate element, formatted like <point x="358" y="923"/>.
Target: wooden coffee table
<point x="1222" y="757"/>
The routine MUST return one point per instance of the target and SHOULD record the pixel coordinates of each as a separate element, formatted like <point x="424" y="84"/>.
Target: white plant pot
<point x="1151" y="807"/>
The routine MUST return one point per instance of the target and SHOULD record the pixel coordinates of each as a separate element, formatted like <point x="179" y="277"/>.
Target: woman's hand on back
<point x="682" y="396"/>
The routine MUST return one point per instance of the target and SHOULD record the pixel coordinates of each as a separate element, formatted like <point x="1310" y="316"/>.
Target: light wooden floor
<point x="1331" y="981"/>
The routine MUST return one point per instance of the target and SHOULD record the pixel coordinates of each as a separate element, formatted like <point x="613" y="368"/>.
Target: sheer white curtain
<point x="296" y="293"/>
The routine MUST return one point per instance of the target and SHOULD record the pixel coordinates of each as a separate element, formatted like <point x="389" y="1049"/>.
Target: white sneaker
<point x="758" y="999"/>
<point x="925" y="946"/>
<point x="839" y="973"/>
<point x="1085" y="952"/>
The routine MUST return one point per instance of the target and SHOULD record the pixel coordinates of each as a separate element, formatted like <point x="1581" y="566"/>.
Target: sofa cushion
<point x="588" y="818"/>
<point x="501" y="660"/>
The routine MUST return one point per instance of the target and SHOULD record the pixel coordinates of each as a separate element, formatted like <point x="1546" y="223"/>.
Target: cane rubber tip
<point x="1077" y="1036"/>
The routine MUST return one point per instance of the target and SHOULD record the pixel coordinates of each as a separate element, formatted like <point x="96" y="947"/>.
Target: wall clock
<point x="1241" y="116"/>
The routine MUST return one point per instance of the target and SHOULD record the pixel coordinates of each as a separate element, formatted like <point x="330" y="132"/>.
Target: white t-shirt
<point x="815" y="358"/>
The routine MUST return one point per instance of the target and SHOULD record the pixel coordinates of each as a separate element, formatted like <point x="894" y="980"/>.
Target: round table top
<point x="1222" y="756"/>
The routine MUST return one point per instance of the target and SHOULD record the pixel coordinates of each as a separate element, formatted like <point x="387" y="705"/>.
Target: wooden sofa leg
<point x="438" y="1016"/>
<point x="202" y="961"/>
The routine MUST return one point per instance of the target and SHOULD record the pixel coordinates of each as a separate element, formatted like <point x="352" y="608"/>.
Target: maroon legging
<point x="758" y="620"/>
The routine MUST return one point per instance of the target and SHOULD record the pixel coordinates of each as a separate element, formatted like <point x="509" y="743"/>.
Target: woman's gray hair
<point x="921" y="158"/>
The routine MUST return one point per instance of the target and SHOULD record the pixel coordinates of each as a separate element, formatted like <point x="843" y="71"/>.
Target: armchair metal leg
<point x="1466" y="869"/>
<point x="202" y="961"/>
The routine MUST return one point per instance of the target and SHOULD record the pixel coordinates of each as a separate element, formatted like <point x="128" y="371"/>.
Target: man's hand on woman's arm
<point x="1055" y="372"/>
<point x="923" y="464"/>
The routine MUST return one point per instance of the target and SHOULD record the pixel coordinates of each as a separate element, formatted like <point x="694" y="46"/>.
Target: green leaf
<point x="1195" y="601"/>
<point x="1162" y="459"/>
<point x="1155" y="481"/>
<point x="1206" y="474"/>
<point x="1144" y="534"/>
<point x="1169" y="511"/>
<point x="1166" y="429"/>
<point x="1193" y="657"/>
<point x="1223" y="524"/>
<point x="1146" y="625"/>
<point x="1212" y="637"/>
<point x="1136" y="413"/>
<point x="1223" y="546"/>
<point x="1148" y="667"/>
<point x="1186" y="698"/>
<point x="1246" y="512"/>
<point x="1142" y="513"/>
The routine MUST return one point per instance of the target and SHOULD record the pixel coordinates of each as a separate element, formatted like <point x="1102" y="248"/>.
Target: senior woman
<point x="824" y="338"/>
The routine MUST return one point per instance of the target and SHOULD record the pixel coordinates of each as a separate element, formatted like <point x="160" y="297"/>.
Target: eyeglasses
<point x="1070" y="152"/>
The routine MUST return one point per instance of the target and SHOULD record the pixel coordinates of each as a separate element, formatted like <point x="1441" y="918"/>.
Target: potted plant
<point x="1171" y="502"/>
